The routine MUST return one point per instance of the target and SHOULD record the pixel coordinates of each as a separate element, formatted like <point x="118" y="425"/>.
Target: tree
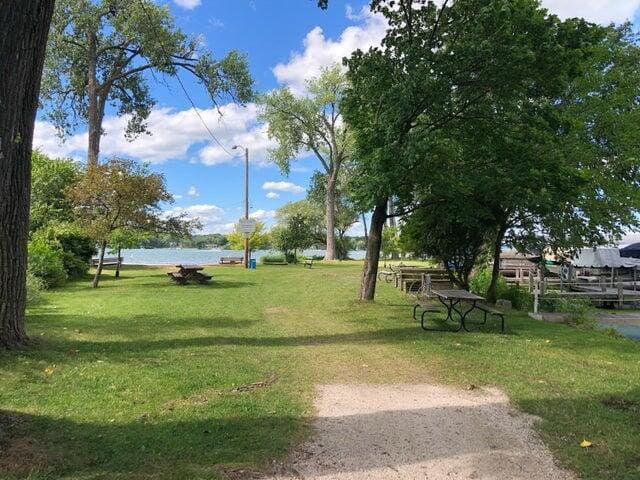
<point x="437" y="61"/>
<point x="390" y="242"/>
<point x="259" y="238"/>
<point x="291" y="235"/>
<point x="50" y="177"/>
<point x="99" y="52"/>
<point x="121" y="196"/>
<point x="346" y="213"/>
<point x="23" y="39"/>
<point x="312" y="124"/>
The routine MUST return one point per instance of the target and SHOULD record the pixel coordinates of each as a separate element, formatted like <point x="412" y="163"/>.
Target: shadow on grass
<point x="166" y="445"/>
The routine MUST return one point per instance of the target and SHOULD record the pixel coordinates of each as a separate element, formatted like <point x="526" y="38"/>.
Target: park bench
<point x="230" y="260"/>
<point x="308" y="262"/>
<point x="107" y="261"/>
<point x="489" y="310"/>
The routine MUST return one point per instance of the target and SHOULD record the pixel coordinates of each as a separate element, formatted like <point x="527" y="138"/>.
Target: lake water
<point x="176" y="256"/>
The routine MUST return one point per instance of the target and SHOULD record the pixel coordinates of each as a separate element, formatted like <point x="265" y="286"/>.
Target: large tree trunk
<point x="23" y="39"/>
<point x="392" y="223"/>
<point x="96" y="277"/>
<point x="492" y="293"/>
<point x="95" y="110"/>
<point x="370" y="269"/>
<point x="330" y="203"/>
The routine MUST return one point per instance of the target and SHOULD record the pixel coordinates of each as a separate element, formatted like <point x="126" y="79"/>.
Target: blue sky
<point x="286" y="41"/>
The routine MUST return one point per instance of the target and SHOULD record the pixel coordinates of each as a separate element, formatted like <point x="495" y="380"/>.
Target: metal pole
<point x="246" y="204"/>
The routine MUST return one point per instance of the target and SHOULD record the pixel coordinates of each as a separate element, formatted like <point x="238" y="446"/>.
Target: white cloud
<point x="177" y="135"/>
<point x="215" y="22"/>
<point x="211" y="217"/>
<point x="193" y="192"/>
<point x="320" y="51"/>
<point x="599" y="11"/>
<point x="177" y="197"/>
<point x="283" y="187"/>
<point x="188" y="4"/>
<point x="262" y="214"/>
<point x="272" y="195"/>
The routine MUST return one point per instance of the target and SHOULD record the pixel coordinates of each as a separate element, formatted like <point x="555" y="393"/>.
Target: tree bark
<point x="96" y="277"/>
<point x="23" y="39"/>
<point x="392" y="223"/>
<point x="366" y="233"/>
<point x="374" y="242"/>
<point x="96" y="106"/>
<point x="330" y="203"/>
<point x="118" y="262"/>
<point x="492" y="292"/>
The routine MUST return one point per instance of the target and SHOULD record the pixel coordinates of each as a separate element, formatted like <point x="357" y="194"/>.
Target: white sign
<point x="247" y="226"/>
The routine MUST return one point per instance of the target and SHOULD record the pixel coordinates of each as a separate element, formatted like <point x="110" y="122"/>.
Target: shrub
<point x="35" y="286"/>
<point x="580" y="311"/>
<point x="273" y="258"/>
<point x="45" y="261"/>
<point x="77" y="251"/>
<point x="479" y="284"/>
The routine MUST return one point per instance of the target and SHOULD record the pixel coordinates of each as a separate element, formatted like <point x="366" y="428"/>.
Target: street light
<point x="246" y="199"/>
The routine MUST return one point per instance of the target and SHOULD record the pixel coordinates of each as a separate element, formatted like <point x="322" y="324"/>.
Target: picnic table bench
<point x="453" y="299"/>
<point x="189" y="272"/>
<point x="230" y="260"/>
<point x="308" y="262"/>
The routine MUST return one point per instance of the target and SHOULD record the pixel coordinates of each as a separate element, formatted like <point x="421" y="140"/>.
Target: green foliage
<point x="273" y="258"/>
<point x="120" y="40"/>
<point x="45" y="261"/>
<point x="258" y="240"/>
<point x="390" y="241"/>
<point x="580" y="311"/>
<point x="291" y="235"/>
<point x="50" y="178"/>
<point x="35" y="287"/>
<point x="479" y="284"/>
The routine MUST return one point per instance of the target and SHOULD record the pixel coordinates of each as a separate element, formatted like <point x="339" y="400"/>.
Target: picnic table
<point x="189" y="272"/>
<point x="453" y="299"/>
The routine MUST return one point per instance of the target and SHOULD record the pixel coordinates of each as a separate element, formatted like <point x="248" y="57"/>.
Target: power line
<point x="186" y="93"/>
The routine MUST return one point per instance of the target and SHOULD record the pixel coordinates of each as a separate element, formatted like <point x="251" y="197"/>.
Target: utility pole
<point x="246" y="205"/>
<point x="246" y="201"/>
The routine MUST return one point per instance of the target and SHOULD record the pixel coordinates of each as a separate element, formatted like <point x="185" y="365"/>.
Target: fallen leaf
<point x="585" y="444"/>
<point x="48" y="371"/>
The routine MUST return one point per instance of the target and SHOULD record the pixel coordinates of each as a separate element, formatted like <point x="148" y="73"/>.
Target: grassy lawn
<point x="139" y="379"/>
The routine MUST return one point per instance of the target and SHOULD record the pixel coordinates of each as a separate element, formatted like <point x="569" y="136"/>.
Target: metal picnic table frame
<point x="451" y="299"/>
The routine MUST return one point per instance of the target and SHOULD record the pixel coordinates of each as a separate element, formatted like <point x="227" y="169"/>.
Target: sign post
<point x="247" y="226"/>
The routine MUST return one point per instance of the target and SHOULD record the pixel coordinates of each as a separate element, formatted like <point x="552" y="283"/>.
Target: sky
<point x="287" y="42"/>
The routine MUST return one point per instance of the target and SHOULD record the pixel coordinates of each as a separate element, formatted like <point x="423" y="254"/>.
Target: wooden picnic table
<point x="189" y="272"/>
<point x="452" y="300"/>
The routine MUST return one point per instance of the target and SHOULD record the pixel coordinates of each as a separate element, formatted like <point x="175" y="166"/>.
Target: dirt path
<point x="420" y="432"/>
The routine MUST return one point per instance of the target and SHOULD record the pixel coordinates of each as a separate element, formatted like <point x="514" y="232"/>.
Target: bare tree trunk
<point x="96" y="277"/>
<point x="492" y="292"/>
<point x="94" y="111"/>
<point x="392" y="223"/>
<point x="23" y="39"/>
<point x="370" y="269"/>
<point x="118" y="262"/>
<point x="330" y="203"/>
<point x="366" y="233"/>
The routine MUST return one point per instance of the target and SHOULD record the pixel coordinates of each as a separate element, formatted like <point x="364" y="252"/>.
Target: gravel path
<point x="420" y="432"/>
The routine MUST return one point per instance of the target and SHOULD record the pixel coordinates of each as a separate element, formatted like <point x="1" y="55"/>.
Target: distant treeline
<point x="219" y="240"/>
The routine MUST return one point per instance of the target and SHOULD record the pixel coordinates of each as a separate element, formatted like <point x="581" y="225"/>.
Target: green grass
<point x="136" y="379"/>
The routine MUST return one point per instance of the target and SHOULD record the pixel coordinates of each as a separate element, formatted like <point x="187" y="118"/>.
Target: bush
<point x="273" y="258"/>
<point x="45" y="261"/>
<point x="35" y="286"/>
<point x="580" y="311"/>
<point x="520" y="299"/>
<point x="77" y="252"/>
